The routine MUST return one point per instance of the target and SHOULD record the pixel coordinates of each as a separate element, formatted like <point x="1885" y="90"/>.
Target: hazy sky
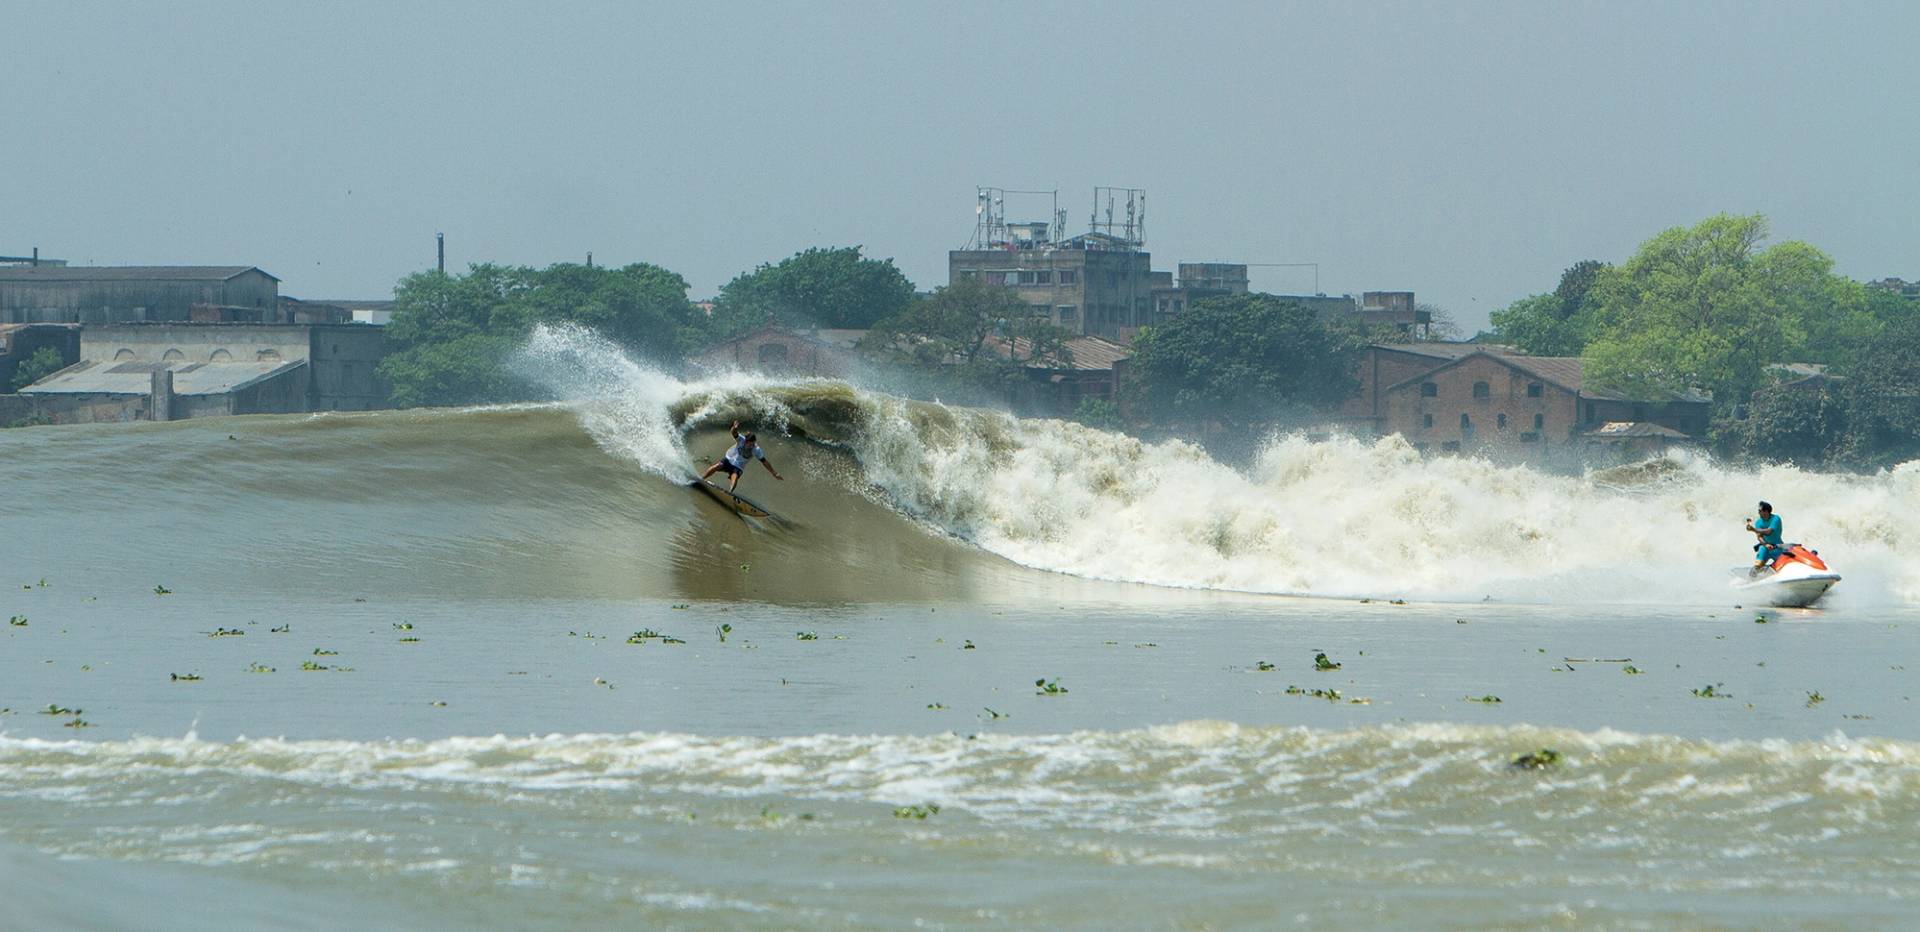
<point x="1468" y="152"/>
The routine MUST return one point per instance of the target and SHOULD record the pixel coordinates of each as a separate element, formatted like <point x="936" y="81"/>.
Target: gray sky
<point x="1468" y="152"/>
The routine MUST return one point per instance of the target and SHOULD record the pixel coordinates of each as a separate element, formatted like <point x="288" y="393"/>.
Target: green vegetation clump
<point x="183" y="677"/>
<point x="44" y="362"/>
<point x="1712" y="691"/>
<point x="1046" y="687"/>
<point x="1632" y="670"/>
<point x="1322" y="664"/>
<point x="806" y="636"/>
<point x="226" y="633"/>
<point x="259" y="668"/>
<point x="162" y="590"/>
<point x="1488" y="699"/>
<point x="1265" y="666"/>
<point x="916" y="812"/>
<point x="1537" y="760"/>
<point x="18" y="621"/>
<point x="1814" y="698"/>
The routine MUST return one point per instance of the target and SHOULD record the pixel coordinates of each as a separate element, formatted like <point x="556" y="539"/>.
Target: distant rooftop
<point x="136" y="378"/>
<point x="107" y="273"/>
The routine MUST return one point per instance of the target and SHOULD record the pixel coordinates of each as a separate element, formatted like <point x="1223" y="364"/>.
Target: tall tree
<point x="971" y="333"/>
<point x="452" y="335"/>
<point x="818" y="287"/>
<point x="1707" y="306"/>
<point x="1555" y="324"/>
<point x="1245" y="362"/>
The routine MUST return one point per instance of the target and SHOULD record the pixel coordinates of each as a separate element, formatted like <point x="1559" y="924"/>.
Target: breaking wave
<point x="1332" y="517"/>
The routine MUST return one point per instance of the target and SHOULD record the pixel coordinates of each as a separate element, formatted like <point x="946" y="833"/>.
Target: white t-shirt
<point x="740" y="453"/>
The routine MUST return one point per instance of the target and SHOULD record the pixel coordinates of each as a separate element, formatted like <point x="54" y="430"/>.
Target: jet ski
<point x="1795" y="578"/>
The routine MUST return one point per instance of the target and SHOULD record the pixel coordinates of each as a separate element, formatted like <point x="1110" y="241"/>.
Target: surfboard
<point x="737" y="502"/>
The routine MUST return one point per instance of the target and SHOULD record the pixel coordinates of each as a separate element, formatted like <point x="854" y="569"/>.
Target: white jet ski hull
<point x="1797" y="586"/>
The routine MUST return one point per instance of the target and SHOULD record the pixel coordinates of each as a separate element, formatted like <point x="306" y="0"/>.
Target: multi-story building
<point x="1092" y="284"/>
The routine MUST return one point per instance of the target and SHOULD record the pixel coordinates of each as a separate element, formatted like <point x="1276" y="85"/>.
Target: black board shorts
<point x="729" y="468"/>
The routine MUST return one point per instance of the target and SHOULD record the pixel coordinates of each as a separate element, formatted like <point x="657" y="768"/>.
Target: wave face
<point x="1331" y="517"/>
<point x="893" y="500"/>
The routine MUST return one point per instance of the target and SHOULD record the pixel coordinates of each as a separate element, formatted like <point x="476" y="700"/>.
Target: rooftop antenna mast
<point x="990" y="217"/>
<point x="1133" y="229"/>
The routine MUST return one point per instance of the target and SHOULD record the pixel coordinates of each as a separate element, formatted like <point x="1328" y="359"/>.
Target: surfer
<point x="744" y="449"/>
<point x="1767" y="528"/>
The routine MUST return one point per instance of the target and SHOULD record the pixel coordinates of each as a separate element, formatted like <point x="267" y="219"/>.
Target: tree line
<point x="1709" y="307"/>
<point x="1712" y="307"/>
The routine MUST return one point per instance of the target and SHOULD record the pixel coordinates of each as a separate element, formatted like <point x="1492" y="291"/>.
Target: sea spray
<point x="1342" y="516"/>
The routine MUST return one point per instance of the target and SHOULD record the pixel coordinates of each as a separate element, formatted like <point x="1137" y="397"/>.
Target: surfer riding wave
<point x="745" y="449"/>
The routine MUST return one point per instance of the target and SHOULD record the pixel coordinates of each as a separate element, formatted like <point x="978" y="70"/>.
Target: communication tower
<point x="990" y="227"/>
<point x="1130" y="226"/>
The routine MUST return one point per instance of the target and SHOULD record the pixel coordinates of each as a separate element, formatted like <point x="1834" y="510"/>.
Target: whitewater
<point x="1344" y="516"/>
<point x="497" y="666"/>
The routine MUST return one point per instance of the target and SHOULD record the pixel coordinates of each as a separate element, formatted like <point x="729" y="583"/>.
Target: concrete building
<point x="46" y="293"/>
<point x="779" y="350"/>
<point x="173" y="370"/>
<point x="1537" y="406"/>
<point x="1198" y="281"/>
<point x="1092" y="284"/>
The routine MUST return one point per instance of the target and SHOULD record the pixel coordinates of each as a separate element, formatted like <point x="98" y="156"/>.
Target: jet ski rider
<point x="1767" y="529"/>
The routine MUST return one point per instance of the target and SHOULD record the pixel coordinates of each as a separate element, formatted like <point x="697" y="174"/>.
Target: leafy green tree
<point x="1098" y="413"/>
<point x="1242" y="362"/>
<point x="452" y="335"/>
<point x="1555" y="324"/>
<point x="1706" y="306"/>
<point x="44" y="362"/>
<point x="819" y="287"/>
<point x="970" y="333"/>
<point x="1882" y="394"/>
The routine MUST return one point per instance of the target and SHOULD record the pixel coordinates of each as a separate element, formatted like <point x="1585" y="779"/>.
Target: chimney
<point x="440" y="240"/>
<point x="160" y="403"/>
<point x="36" y="257"/>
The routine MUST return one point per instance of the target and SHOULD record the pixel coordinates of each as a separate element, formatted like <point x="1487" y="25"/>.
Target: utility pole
<point x="440" y="239"/>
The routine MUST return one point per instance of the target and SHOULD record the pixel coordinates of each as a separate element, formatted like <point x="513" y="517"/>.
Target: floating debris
<point x="259" y="668"/>
<point x="1712" y="691"/>
<point x="1263" y="666"/>
<point x="806" y="636"/>
<point x="18" y="621"/>
<point x="1322" y="664"/>
<point x="1814" y="698"/>
<point x="916" y="812"/>
<point x="162" y="590"/>
<point x="183" y="677"/>
<point x="1536" y="760"/>
<point x="226" y="633"/>
<point x="1045" y="687"/>
<point x="1488" y="699"/>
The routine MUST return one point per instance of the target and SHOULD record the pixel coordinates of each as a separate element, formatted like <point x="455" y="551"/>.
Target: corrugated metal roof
<point x="136" y="378"/>
<point x="121" y="273"/>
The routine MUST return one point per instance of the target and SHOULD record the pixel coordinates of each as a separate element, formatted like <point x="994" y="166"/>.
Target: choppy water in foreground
<point x="476" y="742"/>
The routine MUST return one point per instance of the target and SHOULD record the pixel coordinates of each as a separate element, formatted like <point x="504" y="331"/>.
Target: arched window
<point x="1482" y="390"/>
<point x="172" y="355"/>
<point x="220" y="355"/>
<point x="123" y="353"/>
<point x="1466" y="423"/>
<point x="1539" y="421"/>
<point x="1501" y="424"/>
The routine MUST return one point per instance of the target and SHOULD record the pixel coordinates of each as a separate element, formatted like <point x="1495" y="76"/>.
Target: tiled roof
<point x="1089" y="353"/>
